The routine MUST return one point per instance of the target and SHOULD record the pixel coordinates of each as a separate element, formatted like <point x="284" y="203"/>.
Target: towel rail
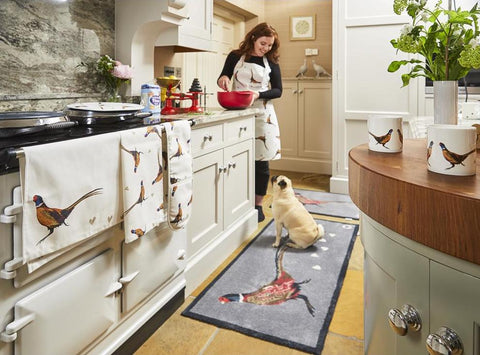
<point x="19" y="153"/>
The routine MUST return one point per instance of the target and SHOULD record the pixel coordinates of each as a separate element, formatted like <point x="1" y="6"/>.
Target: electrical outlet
<point x="314" y="51"/>
<point x="178" y="72"/>
<point x="308" y="51"/>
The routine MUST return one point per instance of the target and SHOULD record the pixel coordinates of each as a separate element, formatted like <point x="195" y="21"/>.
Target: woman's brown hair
<point x="261" y="30"/>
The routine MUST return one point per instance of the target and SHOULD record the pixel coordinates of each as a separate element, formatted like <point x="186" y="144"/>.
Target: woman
<point x="254" y="67"/>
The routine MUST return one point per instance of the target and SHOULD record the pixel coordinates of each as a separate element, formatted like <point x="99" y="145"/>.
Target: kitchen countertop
<point x="397" y="190"/>
<point x="212" y="115"/>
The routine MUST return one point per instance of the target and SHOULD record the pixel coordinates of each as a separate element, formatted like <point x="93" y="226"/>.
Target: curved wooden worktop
<point x="396" y="190"/>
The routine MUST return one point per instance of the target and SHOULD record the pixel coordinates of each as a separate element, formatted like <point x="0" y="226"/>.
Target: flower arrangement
<point x="447" y="39"/>
<point x="114" y="73"/>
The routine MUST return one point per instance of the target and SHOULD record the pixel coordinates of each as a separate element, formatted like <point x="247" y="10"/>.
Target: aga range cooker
<point x="96" y="297"/>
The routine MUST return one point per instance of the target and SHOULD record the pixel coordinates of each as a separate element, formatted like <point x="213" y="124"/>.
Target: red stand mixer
<point x="193" y="94"/>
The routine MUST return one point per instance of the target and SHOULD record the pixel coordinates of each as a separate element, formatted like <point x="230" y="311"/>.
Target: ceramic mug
<point x="451" y="149"/>
<point x="470" y="110"/>
<point x="385" y="133"/>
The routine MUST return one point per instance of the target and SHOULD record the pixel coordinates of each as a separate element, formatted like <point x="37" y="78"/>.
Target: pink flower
<point x="123" y="71"/>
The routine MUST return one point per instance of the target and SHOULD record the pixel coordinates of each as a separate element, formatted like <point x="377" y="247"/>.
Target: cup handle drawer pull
<point x="401" y="320"/>
<point x="207" y="137"/>
<point x="232" y="165"/>
<point x="444" y="342"/>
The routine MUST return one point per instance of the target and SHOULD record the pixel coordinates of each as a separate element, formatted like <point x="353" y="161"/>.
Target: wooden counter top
<point x="396" y="190"/>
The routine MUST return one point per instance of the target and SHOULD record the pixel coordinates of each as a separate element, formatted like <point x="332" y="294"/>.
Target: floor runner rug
<point x="285" y="296"/>
<point x="327" y="203"/>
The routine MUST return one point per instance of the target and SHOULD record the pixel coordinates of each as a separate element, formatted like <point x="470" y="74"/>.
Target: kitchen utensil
<point x="235" y="100"/>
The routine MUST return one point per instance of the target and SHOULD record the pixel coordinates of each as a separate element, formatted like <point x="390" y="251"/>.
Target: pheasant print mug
<point x="385" y="133"/>
<point x="451" y="149"/>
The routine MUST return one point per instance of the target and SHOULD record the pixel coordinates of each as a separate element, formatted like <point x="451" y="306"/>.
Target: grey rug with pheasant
<point x="327" y="203"/>
<point x="285" y="296"/>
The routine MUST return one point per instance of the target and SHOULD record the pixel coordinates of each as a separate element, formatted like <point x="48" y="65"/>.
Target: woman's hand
<point x="224" y="82"/>
<point x="255" y="96"/>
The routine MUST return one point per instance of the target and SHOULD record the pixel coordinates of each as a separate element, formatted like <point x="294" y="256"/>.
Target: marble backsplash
<point x="42" y="42"/>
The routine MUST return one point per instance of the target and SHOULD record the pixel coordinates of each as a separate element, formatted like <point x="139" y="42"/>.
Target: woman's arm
<point x="223" y="80"/>
<point x="275" y="84"/>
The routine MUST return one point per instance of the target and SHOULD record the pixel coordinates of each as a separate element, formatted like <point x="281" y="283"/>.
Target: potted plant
<point x="448" y="41"/>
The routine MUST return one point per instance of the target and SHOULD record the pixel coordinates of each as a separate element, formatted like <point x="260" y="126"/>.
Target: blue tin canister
<point x="150" y="98"/>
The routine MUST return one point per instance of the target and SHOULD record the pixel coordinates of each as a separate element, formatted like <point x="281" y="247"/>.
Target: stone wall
<point x="42" y="42"/>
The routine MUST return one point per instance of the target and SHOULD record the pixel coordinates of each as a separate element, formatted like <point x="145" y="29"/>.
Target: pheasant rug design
<point x="285" y="296"/>
<point x="327" y="204"/>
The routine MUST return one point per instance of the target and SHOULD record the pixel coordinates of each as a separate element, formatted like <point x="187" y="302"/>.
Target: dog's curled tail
<point x="321" y="232"/>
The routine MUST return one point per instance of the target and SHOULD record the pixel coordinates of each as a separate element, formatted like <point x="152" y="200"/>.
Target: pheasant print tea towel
<point x="179" y="173"/>
<point x="70" y="193"/>
<point x="142" y="181"/>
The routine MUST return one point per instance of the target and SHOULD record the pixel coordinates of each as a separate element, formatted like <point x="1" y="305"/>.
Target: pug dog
<point x="290" y="213"/>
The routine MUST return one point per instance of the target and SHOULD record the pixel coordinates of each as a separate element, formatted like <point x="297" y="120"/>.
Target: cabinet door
<point x="315" y="120"/>
<point x="206" y="221"/>
<point x="454" y="299"/>
<point x="238" y="181"/>
<point x="286" y="110"/>
<point x="394" y="276"/>
<point x="198" y="23"/>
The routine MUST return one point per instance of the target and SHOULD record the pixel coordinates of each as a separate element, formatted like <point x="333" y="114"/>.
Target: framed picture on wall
<point x="302" y="28"/>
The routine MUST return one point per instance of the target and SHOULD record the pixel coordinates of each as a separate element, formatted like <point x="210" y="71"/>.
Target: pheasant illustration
<point x="280" y="290"/>
<point x="179" y="215"/>
<point x="139" y="232"/>
<point x="179" y="150"/>
<point x="153" y="129"/>
<point x="252" y="80"/>
<point x="174" y="189"/>
<point x="400" y="135"/>
<point x="161" y="207"/>
<point x="454" y="158"/>
<point x="190" y="201"/>
<point x="140" y="199"/>
<point x="54" y="217"/>
<point x="160" y="173"/>
<point x="263" y="139"/>
<point x="269" y="119"/>
<point x="136" y="157"/>
<point x="383" y="139"/>
<point x="429" y="151"/>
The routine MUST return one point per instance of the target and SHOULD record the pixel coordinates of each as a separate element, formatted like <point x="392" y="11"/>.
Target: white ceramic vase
<point x="445" y="102"/>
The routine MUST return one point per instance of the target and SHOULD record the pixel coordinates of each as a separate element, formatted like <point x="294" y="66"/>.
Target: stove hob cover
<point x="23" y="119"/>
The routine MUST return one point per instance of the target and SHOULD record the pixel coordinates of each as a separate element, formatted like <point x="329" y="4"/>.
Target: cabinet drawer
<point x="239" y="130"/>
<point x="206" y="138"/>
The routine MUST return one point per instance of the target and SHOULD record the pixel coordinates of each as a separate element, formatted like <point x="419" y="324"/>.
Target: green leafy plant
<point x="447" y="39"/>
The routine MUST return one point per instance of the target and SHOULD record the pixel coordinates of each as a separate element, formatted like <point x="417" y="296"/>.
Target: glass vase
<point x="445" y="102"/>
<point x="114" y="95"/>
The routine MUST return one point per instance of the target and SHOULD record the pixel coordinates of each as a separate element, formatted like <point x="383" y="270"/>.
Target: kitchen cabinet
<point x="304" y="114"/>
<point x="443" y="290"/>
<point x="420" y="236"/>
<point x="223" y="212"/>
<point x="194" y="25"/>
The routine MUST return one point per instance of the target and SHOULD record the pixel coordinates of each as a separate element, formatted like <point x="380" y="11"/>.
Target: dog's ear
<point x="273" y="179"/>
<point x="282" y="184"/>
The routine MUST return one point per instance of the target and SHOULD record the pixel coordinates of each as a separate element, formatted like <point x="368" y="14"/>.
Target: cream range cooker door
<point x="150" y="262"/>
<point x="68" y="314"/>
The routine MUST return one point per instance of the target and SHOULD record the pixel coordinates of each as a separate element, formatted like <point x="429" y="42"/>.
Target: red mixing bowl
<point x="235" y="100"/>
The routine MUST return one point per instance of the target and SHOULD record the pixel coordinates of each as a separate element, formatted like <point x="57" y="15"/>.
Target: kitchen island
<point x="420" y="233"/>
<point x="117" y="293"/>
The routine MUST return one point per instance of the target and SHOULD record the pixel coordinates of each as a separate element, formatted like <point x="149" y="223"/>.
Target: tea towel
<point x="70" y="193"/>
<point x="142" y="180"/>
<point x="179" y="173"/>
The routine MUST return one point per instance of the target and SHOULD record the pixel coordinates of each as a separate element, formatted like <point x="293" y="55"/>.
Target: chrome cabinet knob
<point x="232" y="165"/>
<point x="222" y="169"/>
<point x="401" y="320"/>
<point x="207" y="137"/>
<point x="444" y="342"/>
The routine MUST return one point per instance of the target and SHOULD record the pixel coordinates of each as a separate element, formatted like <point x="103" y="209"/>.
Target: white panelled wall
<point x="361" y="83"/>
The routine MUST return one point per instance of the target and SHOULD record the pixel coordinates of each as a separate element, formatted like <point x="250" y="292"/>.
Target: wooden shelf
<point x="396" y="190"/>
